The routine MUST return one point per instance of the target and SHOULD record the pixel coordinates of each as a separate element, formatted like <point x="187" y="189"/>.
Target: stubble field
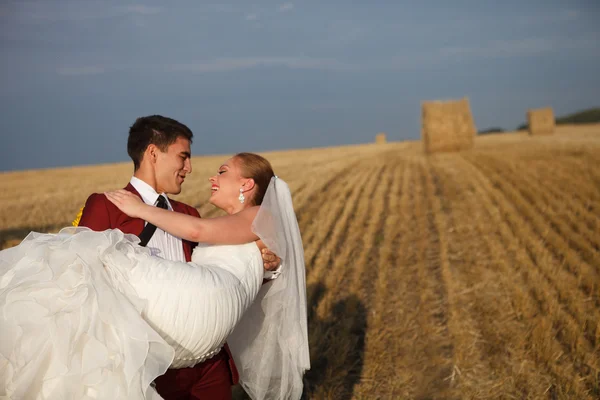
<point x="453" y="276"/>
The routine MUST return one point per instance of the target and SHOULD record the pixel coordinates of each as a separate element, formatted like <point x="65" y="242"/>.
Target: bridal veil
<point x="270" y="343"/>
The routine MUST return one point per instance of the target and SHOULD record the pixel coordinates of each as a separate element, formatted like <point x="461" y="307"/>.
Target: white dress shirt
<point x="162" y="244"/>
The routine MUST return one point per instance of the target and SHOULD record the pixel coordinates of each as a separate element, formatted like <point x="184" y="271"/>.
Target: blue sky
<point x="265" y="75"/>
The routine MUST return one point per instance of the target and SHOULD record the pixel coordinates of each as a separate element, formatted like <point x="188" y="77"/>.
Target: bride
<point x="93" y="315"/>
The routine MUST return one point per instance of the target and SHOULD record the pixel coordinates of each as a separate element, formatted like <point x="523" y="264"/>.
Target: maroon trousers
<point x="209" y="380"/>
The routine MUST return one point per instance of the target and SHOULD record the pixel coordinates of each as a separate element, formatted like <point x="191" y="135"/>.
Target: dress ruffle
<point x="65" y="332"/>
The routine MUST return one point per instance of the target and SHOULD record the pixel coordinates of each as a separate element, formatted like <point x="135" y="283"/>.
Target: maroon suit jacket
<point x="100" y="214"/>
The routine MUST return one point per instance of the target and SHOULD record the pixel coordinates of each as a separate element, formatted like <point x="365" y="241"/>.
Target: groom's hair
<point x="157" y="130"/>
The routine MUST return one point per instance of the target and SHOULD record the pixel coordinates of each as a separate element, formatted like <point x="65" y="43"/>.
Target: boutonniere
<point x="78" y="217"/>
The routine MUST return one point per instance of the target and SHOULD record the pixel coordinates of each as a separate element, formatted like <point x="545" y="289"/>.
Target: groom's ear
<point x="151" y="152"/>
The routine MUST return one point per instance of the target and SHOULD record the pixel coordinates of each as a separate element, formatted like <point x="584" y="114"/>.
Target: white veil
<point x="270" y="343"/>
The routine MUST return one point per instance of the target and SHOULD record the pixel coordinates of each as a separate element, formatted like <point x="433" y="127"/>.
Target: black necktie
<point x="149" y="229"/>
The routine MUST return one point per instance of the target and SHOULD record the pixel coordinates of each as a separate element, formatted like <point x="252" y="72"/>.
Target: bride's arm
<point x="228" y="229"/>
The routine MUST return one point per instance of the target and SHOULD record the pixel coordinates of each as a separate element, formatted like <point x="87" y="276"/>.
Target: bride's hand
<point x="126" y="201"/>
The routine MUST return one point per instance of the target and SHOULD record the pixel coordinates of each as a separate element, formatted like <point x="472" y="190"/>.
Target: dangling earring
<point x="242" y="198"/>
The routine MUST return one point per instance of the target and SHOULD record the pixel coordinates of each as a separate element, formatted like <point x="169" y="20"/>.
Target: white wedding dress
<point x="66" y="333"/>
<point x="92" y="315"/>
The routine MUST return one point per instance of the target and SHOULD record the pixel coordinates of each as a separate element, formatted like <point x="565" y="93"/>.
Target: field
<point x="471" y="275"/>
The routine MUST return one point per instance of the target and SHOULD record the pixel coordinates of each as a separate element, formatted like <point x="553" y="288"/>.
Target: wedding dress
<point x="59" y="297"/>
<point x="92" y="315"/>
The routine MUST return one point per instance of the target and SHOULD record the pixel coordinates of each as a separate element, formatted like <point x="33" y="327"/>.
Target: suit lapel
<point x="131" y="189"/>
<point x="127" y="224"/>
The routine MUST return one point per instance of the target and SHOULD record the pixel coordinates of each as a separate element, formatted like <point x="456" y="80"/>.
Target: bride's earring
<point x="241" y="198"/>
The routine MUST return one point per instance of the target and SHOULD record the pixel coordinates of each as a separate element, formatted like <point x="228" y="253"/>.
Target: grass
<point x="455" y="275"/>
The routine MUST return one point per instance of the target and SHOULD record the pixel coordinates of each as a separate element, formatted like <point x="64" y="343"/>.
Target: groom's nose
<point x="188" y="166"/>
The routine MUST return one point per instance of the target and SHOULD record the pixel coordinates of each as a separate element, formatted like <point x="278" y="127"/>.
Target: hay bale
<point x="541" y="121"/>
<point x="447" y="126"/>
<point x="380" y="138"/>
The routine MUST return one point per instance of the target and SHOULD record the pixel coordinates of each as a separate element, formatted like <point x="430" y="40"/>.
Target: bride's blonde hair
<point x="258" y="168"/>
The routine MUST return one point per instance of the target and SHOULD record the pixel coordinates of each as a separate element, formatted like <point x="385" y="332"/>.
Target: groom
<point x="160" y="150"/>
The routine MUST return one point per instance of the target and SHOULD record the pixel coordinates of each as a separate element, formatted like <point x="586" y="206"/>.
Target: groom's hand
<point x="270" y="260"/>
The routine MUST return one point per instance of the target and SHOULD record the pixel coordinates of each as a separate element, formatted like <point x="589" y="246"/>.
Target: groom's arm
<point x="272" y="263"/>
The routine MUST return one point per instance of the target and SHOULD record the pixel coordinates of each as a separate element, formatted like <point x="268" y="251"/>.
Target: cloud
<point x="223" y="8"/>
<point x="500" y="48"/>
<point x="549" y="17"/>
<point x="326" y="107"/>
<point x="80" y="71"/>
<point x="212" y="66"/>
<point x="233" y="64"/>
<point x="286" y="7"/>
<point x="142" y="10"/>
<point x="342" y="33"/>
<point x="571" y="14"/>
<point x="75" y="11"/>
<point x="251" y="17"/>
<point x="518" y="47"/>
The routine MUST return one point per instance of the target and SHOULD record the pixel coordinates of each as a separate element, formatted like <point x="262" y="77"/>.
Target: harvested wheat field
<point x="469" y="275"/>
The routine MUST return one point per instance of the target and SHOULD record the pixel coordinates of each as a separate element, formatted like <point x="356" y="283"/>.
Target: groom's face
<point x="172" y="166"/>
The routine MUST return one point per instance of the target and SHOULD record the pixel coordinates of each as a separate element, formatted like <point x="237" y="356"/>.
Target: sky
<point x="268" y="75"/>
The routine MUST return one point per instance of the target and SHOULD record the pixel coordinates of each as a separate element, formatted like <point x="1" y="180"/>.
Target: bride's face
<point x="226" y="186"/>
